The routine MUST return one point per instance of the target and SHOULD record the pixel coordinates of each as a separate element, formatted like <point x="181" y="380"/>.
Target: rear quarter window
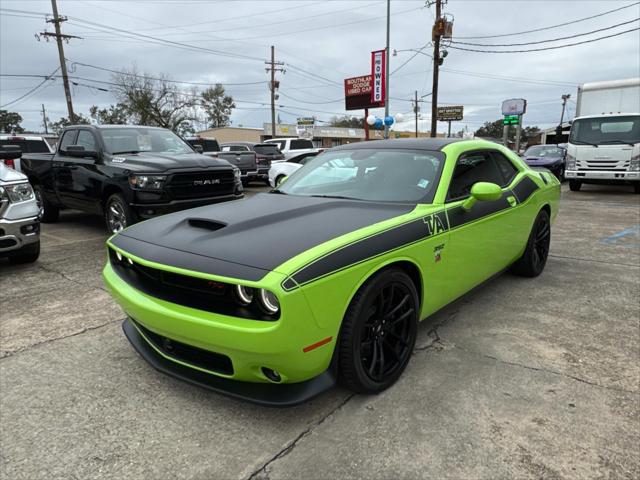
<point x="301" y="144"/>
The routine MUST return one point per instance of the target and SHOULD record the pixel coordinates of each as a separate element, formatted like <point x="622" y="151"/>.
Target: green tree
<point x="57" y="127"/>
<point x="217" y="106"/>
<point x="350" y="122"/>
<point x="495" y="130"/>
<point x="10" y="122"/>
<point x="113" y="115"/>
<point x="154" y="102"/>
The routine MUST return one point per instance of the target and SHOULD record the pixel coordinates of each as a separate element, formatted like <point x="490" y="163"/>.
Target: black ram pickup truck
<point x="127" y="173"/>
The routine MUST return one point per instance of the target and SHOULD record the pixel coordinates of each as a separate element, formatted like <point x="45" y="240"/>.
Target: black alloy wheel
<point x="534" y="258"/>
<point x="379" y="332"/>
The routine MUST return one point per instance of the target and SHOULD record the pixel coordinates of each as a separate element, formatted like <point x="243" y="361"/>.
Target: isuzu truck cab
<point x="604" y="144"/>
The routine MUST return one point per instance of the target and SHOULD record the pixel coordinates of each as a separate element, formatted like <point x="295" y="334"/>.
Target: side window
<point x="506" y="167"/>
<point x="68" y="138"/>
<point x="86" y="139"/>
<point x="226" y="148"/>
<point x="470" y="169"/>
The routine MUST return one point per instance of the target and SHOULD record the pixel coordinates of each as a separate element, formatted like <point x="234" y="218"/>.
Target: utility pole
<point x="565" y="97"/>
<point x="273" y="86"/>
<point x="386" y="72"/>
<point x="436" y="67"/>
<point x="415" y="109"/>
<point x="44" y="120"/>
<point x="57" y="20"/>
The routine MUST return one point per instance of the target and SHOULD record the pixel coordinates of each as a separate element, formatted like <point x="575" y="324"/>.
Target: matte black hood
<point x="247" y="238"/>
<point x="160" y="162"/>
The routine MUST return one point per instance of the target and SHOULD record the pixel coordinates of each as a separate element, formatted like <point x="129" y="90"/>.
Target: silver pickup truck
<point x="19" y="215"/>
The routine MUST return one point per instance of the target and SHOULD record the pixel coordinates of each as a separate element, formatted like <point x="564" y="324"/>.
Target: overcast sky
<point x="321" y="42"/>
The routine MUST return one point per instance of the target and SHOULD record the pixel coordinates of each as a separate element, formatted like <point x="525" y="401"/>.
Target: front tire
<point x="534" y="258"/>
<point x="27" y="254"/>
<point x="117" y="214"/>
<point x="378" y="332"/>
<point x="575" y="185"/>
<point x="48" y="212"/>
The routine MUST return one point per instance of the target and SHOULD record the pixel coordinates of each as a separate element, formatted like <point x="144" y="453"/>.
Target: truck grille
<point x="201" y="184"/>
<point x="620" y="165"/>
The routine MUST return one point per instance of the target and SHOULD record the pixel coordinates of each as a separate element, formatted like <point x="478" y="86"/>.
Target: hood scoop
<point x="206" y="224"/>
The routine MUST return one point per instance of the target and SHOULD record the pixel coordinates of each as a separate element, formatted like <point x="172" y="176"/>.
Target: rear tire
<point x="534" y="258"/>
<point x="575" y="185"/>
<point x="48" y="212"/>
<point x="117" y="214"/>
<point x="27" y="254"/>
<point x="378" y="332"/>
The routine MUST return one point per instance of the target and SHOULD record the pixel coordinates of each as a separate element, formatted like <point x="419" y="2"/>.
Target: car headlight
<point x="236" y="174"/>
<point x="635" y="163"/>
<point x="244" y="295"/>
<point x="268" y="301"/>
<point x="571" y="162"/>
<point x="147" y="182"/>
<point x="20" y="192"/>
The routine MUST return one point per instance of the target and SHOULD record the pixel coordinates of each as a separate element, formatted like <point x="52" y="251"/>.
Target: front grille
<point x="201" y="184"/>
<point x="214" y="362"/>
<point x="619" y="165"/>
<point x="8" y="242"/>
<point x="193" y="292"/>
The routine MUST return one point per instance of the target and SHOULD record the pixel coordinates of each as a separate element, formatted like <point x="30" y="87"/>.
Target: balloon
<point x="371" y="119"/>
<point x="388" y="121"/>
<point x="399" y="117"/>
<point x="378" y="123"/>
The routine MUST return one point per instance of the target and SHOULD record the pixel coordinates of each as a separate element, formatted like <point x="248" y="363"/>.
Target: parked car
<point x="19" y="220"/>
<point x="292" y="146"/>
<point x="279" y="171"/>
<point x="345" y="270"/>
<point x="551" y="157"/>
<point x="265" y="155"/>
<point x="26" y="144"/>
<point x="127" y="173"/>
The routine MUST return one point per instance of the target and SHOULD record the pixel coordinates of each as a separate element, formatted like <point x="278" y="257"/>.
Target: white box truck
<point x="604" y="144"/>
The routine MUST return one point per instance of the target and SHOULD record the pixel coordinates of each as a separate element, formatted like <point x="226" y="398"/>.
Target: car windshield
<point x="140" y="139"/>
<point x="606" y="130"/>
<point x="543" y="151"/>
<point x="388" y="175"/>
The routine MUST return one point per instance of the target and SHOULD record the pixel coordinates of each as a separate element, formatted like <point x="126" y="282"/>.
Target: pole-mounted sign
<point x="514" y="106"/>
<point x="378" y="65"/>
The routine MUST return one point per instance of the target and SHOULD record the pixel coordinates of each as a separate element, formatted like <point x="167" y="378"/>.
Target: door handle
<point x="512" y="200"/>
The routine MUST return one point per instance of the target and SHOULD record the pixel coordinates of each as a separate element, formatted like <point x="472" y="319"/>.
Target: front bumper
<point x="150" y="210"/>
<point x="267" y="394"/>
<point x="602" y="175"/>
<point x="15" y="234"/>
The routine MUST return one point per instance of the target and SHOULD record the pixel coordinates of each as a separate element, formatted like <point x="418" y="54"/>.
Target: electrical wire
<point x="544" y="41"/>
<point x="551" y="26"/>
<point x="546" y="48"/>
<point x="419" y="51"/>
<point x="33" y="90"/>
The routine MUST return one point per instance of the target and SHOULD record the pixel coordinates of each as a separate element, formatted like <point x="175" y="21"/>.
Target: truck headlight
<point x="147" y="182"/>
<point x="268" y="301"/>
<point x="635" y="163"/>
<point x="20" y="192"/>
<point x="571" y="162"/>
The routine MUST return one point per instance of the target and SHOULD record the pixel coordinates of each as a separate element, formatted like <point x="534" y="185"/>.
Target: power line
<point x="312" y="103"/>
<point x="544" y="41"/>
<point x="33" y="90"/>
<point x="546" y="48"/>
<point x="551" y="26"/>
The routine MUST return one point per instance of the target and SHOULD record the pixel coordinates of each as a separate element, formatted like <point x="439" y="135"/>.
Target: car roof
<point x="412" y="143"/>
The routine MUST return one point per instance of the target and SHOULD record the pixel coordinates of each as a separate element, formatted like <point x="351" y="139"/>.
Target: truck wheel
<point x="378" y="332"/>
<point x="117" y="213"/>
<point x="575" y="185"/>
<point x="48" y="212"/>
<point x="27" y="254"/>
<point x="535" y="255"/>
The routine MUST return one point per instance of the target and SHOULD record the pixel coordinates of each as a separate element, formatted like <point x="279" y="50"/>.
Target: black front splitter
<point x="267" y="394"/>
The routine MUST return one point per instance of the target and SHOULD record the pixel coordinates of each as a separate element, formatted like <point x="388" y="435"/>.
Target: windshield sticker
<point x="423" y="183"/>
<point x="118" y="159"/>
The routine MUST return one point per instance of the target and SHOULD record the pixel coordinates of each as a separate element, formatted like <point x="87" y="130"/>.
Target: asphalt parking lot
<point x="521" y="379"/>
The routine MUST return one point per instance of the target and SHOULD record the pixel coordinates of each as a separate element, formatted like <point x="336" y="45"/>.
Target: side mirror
<point x="80" y="152"/>
<point x="9" y="152"/>
<point x="483" y="192"/>
<point x="198" y="148"/>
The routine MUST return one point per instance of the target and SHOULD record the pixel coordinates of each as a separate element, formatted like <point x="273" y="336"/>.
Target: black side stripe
<point x="404" y="235"/>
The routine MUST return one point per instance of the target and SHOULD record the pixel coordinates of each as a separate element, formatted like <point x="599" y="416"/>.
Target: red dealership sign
<point x="357" y="93"/>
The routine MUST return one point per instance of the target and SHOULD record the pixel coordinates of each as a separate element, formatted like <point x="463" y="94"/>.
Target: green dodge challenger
<point x="275" y="298"/>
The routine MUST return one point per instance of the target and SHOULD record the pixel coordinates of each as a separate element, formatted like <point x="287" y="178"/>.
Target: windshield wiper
<point x="279" y="192"/>
<point x="582" y="142"/>
<point x="334" y="196"/>
<point x="127" y="151"/>
<point x="622" y="142"/>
